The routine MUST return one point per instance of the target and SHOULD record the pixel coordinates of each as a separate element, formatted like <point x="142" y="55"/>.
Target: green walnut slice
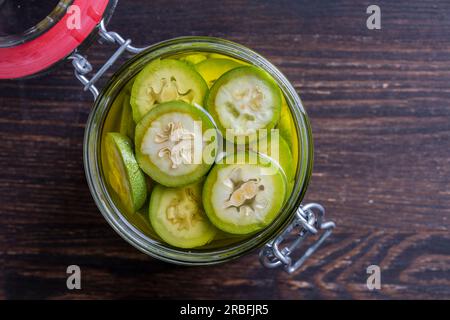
<point x="213" y="69"/>
<point x="175" y="143"/>
<point x="222" y="56"/>
<point x="127" y="125"/>
<point x="166" y="80"/>
<point x="123" y="173"/>
<point x="287" y="130"/>
<point x="242" y="197"/>
<point x="194" y="58"/>
<point x="244" y="100"/>
<point x="177" y="216"/>
<point x="274" y="146"/>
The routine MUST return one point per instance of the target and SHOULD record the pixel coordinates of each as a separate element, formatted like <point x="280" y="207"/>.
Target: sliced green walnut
<point x="243" y="101"/>
<point x="213" y="69"/>
<point x="244" y="197"/>
<point x="222" y="56"/>
<point x="176" y="143"/>
<point x="274" y="146"/>
<point x="123" y="174"/>
<point x="288" y="132"/>
<point x="177" y="216"/>
<point x="127" y="124"/>
<point x="194" y="58"/>
<point x="166" y="80"/>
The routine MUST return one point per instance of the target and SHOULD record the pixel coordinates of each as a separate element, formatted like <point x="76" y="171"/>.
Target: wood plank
<point x="378" y="104"/>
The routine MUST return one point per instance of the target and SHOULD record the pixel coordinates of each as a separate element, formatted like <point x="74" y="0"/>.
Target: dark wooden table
<point x="380" y="111"/>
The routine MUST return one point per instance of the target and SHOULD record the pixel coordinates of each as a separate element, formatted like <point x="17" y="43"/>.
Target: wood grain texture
<point x="379" y="107"/>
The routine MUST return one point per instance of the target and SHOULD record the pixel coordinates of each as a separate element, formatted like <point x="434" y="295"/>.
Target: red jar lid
<point x="54" y="45"/>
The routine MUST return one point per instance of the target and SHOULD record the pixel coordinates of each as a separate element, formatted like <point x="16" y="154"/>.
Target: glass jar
<point x="96" y="179"/>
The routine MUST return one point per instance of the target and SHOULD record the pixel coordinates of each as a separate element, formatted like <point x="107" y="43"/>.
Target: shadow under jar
<point x="134" y="227"/>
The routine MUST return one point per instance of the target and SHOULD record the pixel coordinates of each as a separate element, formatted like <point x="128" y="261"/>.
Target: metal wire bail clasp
<point x="307" y="222"/>
<point x="82" y="66"/>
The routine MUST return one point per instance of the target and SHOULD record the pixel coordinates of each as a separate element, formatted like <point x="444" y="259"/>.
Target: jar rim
<point x="92" y="143"/>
